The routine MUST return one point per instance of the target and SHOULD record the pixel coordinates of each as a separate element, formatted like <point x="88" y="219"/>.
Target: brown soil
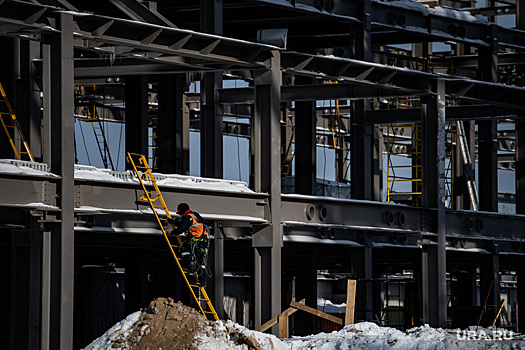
<point x="166" y="324"/>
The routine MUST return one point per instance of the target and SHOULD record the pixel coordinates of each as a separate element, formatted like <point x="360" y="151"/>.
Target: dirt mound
<point x="165" y="324"/>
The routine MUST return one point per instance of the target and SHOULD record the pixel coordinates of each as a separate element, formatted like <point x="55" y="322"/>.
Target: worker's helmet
<point x="182" y="208"/>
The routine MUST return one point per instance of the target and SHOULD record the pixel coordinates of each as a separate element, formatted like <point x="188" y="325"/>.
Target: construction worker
<point x="195" y="241"/>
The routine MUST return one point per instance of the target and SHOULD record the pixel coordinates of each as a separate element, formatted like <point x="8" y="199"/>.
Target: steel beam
<point x="453" y="113"/>
<point x="138" y="12"/>
<point x="422" y="22"/>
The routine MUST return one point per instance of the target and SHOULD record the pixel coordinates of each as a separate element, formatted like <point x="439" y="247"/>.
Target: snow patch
<point x="10" y="166"/>
<point x="121" y="330"/>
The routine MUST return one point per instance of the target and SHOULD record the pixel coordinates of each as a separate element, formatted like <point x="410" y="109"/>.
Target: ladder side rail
<point x="23" y="139"/>
<point x="161" y="226"/>
<point x="17" y="126"/>
<point x="143" y="160"/>
<point x="107" y="154"/>
<point x="10" y="138"/>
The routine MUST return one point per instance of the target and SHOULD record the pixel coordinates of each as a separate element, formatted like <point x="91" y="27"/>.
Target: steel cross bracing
<point x="144" y="175"/>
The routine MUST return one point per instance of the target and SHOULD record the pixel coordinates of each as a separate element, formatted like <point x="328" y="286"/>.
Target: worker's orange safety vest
<point x="198" y="228"/>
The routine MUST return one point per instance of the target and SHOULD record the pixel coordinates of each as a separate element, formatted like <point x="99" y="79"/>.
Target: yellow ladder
<point x="83" y="113"/>
<point x="12" y="123"/>
<point x="156" y="201"/>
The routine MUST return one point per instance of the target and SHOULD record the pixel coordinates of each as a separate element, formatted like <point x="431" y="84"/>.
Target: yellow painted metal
<point x="145" y="177"/>
<point x="8" y="120"/>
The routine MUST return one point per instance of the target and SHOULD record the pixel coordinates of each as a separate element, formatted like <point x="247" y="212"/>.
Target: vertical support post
<point x="136" y="91"/>
<point x="62" y="164"/>
<point x="520" y="167"/>
<point x="360" y="153"/>
<point x="218" y="270"/>
<point x="283" y="325"/>
<point x="520" y="141"/>
<point x="211" y="112"/>
<point x="488" y="134"/>
<point x="369" y="275"/>
<point x="350" y="302"/>
<point x="521" y="299"/>
<point x="268" y="240"/>
<point x="46" y="291"/>
<point x="377" y="164"/>
<point x="211" y="127"/>
<point x="306" y="287"/>
<point x="305" y="146"/>
<point x="7" y="62"/>
<point x="47" y="100"/>
<point x="433" y="196"/>
<point x="489" y="285"/>
<point x="35" y="301"/>
<point x="174" y="126"/>
<point x="26" y="100"/>
<point x="460" y="182"/>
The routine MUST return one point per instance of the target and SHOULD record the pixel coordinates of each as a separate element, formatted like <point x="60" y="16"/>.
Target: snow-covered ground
<point x="364" y="335"/>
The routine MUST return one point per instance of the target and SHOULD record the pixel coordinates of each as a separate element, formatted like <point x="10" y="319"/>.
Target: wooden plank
<point x="317" y="313"/>
<point x="274" y="320"/>
<point x="283" y="325"/>
<point x="350" y="302"/>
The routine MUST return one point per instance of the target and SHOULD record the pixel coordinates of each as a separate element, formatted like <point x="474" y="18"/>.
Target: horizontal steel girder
<point x="299" y="213"/>
<point x="97" y="197"/>
<point x="420" y="22"/>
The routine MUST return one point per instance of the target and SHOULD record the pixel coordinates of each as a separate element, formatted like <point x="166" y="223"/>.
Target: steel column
<point x="521" y="298"/>
<point x="45" y="331"/>
<point x="173" y="129"/>
<point x="211" y="127"/>
<point x="520" y="153"/>
<point x="62" y="163"/>
<point x="211" y="111"/>
<point x="306" y="287"/>
<point x="433" y="196"/>
<point x="26" y="100"/>
<point x="489" y="285"/>
<point x="136" y="91"/>
<point x="487" y="134"/>
<point x="218" y="269"/>
<point x="360" y="153"/>
<point x="7" y="70"/>
<point x="520" y="166"/>
<point x="305" y="146"/>
<point x="368" y="263"/>
<point x="268" y="239"/>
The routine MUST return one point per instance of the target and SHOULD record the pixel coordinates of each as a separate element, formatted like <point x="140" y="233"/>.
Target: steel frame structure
<point x="52" y="221"/>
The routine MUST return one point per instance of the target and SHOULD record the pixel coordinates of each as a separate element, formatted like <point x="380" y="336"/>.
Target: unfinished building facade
<point x="416" y="109"/>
